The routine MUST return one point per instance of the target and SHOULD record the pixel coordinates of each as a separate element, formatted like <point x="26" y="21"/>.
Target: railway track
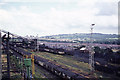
<point x="100" y="64"/>
<point x="40" y="72"/>
<point x="56" y="69"/>
<point x="49" y="66"/>
<point x="109" y="70"/>
<point x="46" y="64"/>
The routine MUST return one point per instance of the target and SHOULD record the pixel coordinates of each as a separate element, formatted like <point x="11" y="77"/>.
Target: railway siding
<point x="71" y="64"/>
<point x="53" y="66"/>
<point x="65" y="60"/>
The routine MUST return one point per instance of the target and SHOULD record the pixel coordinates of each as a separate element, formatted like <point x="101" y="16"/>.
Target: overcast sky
<point x="50" y="17"/>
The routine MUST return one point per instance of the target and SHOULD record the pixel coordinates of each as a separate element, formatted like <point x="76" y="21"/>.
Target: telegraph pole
<point x="8" y="56"/>
<point x="0" y="56"/>
<point x="91" y="51"/>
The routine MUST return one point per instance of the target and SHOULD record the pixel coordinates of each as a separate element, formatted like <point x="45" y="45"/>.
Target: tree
<point x="97" y="50"/>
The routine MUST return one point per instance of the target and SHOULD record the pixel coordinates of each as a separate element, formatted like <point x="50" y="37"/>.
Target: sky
<point x="51" y="17"/>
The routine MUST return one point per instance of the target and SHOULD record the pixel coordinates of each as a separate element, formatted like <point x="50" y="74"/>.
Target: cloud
<point x="59" y="1"/>
<point x="47" y="22"/>
<point x="105" y="8"/>
<point x="23" y="21"/>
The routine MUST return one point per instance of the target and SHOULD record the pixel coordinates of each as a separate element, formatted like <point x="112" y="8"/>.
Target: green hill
<point x="85" y="37"/>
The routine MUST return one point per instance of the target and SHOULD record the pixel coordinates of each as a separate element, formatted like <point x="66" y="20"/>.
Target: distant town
<point x="80" y="38"/>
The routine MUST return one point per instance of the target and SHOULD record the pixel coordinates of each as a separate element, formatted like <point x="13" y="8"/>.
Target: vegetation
<point x="65" y="61"/>
<point x="71" y="63"/>
<point x="84" y="37"/>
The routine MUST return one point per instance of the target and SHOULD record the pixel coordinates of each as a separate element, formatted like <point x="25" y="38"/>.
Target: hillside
<point x="85" y="37"/>
<point x="82" y="36"/>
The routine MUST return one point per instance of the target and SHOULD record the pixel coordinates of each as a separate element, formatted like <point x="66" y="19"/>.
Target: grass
<point x="65" y="61"/>
<point x="72" y="63"/>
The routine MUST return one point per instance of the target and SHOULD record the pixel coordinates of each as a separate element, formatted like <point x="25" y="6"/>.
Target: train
<point x="100" y="67"/>
<point x="44" y="48"/>
<point x="51" y="66"/>
<point x="109" y="57"/>
<point x="59" y="51"/>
